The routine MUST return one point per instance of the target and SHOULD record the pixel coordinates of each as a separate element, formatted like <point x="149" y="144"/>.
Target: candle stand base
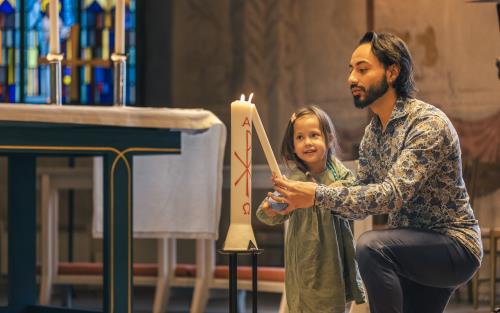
<point x="233" y="277"/>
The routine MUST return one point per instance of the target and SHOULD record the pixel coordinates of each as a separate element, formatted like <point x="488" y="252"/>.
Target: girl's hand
<point x="267" y="209"/>
<point x="296" y="194"/>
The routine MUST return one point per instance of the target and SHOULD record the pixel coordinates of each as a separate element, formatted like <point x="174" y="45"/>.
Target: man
<point x="410" y="168"/>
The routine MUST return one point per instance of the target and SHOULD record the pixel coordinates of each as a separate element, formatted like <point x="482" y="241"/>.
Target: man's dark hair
<point x="390" y="49"/>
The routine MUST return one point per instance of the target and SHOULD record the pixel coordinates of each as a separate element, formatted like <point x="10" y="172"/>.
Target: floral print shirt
<point x="412" y="171"/>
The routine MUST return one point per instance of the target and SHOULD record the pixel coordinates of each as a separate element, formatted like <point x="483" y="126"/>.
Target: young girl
<point x="321" y="272"/>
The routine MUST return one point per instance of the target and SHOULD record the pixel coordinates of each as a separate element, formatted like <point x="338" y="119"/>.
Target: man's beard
<point x="372" y="94"/>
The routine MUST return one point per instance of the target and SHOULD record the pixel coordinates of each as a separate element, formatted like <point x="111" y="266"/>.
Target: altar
<point x="116" y="134"/>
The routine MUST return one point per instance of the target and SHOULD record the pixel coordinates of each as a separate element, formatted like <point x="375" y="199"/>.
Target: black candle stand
<point x="233" y="277"/>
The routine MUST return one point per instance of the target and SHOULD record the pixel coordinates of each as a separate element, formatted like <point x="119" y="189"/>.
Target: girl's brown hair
<point x="326" y="125"/>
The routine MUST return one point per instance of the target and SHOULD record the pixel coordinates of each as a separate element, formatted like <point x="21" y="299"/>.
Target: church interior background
<point x="203" y="54"/>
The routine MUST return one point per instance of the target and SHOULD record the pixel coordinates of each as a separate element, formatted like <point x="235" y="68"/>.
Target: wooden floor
<point x="90" y="298"/>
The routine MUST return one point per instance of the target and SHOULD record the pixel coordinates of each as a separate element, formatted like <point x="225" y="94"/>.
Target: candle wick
<point x="250" y="98"/>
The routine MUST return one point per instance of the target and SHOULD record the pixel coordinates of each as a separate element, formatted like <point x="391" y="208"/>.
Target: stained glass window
<point x="9" y="51"/>
<point x="37" y="31"/>
<point x="87" y="41"/>
<point x="97" y="43"/>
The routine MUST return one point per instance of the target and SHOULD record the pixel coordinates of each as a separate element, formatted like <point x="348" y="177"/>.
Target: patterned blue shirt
<point x="413" y="171"/>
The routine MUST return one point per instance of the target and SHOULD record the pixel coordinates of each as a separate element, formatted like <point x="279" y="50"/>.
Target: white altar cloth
<point x="110" y="116"/>
<point x="176" y="196"/>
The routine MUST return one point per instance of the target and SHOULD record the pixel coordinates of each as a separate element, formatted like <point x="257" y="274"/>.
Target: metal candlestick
<point x="233" y="277"/>
<point x="119" y="78"/>
<point x="55" y="78"/>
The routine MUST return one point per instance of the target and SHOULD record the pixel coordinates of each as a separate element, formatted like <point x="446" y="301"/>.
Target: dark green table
<point x="22" y="142"/>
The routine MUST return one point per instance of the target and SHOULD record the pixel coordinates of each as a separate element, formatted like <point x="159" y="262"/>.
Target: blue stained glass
<point x="68" y="12"/>
<point x="131" y="56"/>
<point x="6" y="8"/>
<point x="83" y="38"/>
<point x="98" y="75"/>
<point x="83" y="91"/>
<point x="131" y="75"/>
<point x="8" y="38"/>
<point x="95" y="8"/>
<point x="33" y="15"/>
<point x="129" y="20"/>
<point x="131" y="39"/>
<point x="9" y="63"/>
<point x="10" y="21"/>
<point x="91" y="37"/>
<point x="17" y="38"/>
<point x="90" y="19"/>
<point x="12" y="93"/>
<point x="83" y="20"/>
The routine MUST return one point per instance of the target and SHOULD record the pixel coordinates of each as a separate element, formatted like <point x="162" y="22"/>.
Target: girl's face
<point x="309" y="143"/>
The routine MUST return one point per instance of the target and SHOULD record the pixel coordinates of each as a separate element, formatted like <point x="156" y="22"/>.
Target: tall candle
<point x="264" y="141"/>
<point x="54" y="26"/>
<point x="240" y="235"/>
<point x="241" y="161"/>
<point x="120" y="27"/>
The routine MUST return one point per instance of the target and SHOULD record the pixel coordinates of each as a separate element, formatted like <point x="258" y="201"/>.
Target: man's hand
<point x="296" y="194"/>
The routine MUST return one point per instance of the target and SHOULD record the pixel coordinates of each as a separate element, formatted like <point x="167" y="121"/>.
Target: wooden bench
<point x="146" y="274"/>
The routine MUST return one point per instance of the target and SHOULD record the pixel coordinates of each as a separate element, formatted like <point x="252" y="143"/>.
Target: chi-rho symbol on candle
<point x="245" y="176"/>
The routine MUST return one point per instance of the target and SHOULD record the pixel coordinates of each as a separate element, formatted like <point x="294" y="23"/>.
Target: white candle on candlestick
<point x="241" y="159"/>
<point x="240" y="234"/>
<point x="120" y="27"/>
<point x="54" y="26"/>
<point x="264" y="141"/>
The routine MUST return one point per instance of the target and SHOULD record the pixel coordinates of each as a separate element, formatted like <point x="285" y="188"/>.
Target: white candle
<point x="54" y="26"/>
<point x="241" y="160"/>
<point x="120" y="27"/>
<point x="240" y="235"/>
<point x="264" y="141"/>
